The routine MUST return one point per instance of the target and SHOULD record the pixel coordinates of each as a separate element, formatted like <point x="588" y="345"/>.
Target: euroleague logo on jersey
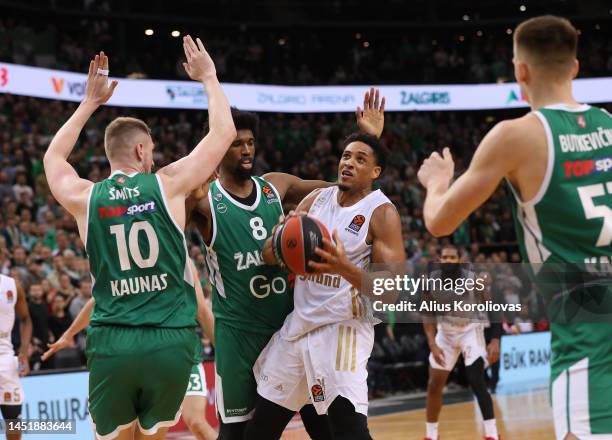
<point x="270" y="196"/>
<point x="578" y="168"/>
<point x="120" y="211"/>
<point x="9" y="296"/>
<point x="356" y="224"/>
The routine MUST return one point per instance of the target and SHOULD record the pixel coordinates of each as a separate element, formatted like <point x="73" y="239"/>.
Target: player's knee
<point x="435" y="384"/>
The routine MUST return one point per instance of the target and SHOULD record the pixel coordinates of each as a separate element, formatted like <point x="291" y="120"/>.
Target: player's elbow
<point x="438" y="228"/>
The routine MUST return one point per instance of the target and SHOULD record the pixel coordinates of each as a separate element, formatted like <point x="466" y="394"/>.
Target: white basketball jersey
<point x="321" y="299"/>
<point x="8" y="298"/>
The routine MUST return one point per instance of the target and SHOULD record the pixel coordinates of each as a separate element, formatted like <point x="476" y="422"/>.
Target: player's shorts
<point x="197" y="382"/>
<point x="235" y="388"/>
<point x="581" y="380"/>
<point x="137" y="376"/>
<point x="465" y="339"/>
<point x="318" y="367"/>
<point x="10" y="386"/>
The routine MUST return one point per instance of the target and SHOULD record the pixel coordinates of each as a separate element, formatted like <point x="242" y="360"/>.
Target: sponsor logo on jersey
<point x="279" y="387"/>
<point x="244" y="260"/>
<point x="578" y="168"/>
<point x="222" y="208"/>
<point x="217" y="197"/>
<point x="356" y="224"/>
<point x="581" y="121"/>
<point x="326" y="280"/>
<point x="123" y="193"/>
<point x="9" y="296"/>
<point x="318" y="392"/>
<point x="270" y="195"/>
<point x="121" y="180"/>
<point x="7" y="396"/>
<point x="120" y="211"/>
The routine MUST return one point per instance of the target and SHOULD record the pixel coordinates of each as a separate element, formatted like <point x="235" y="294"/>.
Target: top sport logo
<point x="578" y="168"/>
<point x="120" y="211"/>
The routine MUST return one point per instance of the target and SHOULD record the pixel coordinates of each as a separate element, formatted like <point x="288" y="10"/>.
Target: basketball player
<point x="323" y="347"/>
<point x="140" y="347"/>
<point x="251" y="299"/>
<point x="553" y="159"/>
<point x="194" y="403"/>
<point x="457" y="335"/>
<point x="13" y="299"/>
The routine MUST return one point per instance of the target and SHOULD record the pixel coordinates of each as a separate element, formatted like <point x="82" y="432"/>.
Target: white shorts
<point x="197" y="382"/>
<point x="454" y="340"/>
<point x="318" y="367"/>
<point x="10" y="386"/>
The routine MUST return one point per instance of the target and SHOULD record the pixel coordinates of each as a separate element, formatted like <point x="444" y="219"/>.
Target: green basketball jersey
<point x="247" y="294"/>
<point x="565" y="232"/>
<point x="138" y="255"/>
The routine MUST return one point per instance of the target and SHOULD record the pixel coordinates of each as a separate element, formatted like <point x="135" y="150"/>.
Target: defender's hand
<point x="98" y="91"/>
<point x="371" y="119"/>
<point x="199" y="65"/>
<point x="437" y="168"/>
<point x="60" y="344"/>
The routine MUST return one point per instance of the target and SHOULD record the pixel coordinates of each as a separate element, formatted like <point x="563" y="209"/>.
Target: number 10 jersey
<point x="137" y="255"/>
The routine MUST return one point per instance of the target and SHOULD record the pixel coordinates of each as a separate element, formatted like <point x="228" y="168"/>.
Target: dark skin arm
<point x="292" y="189"/>
<point x="25" y="328"/>
<point x="385" y="235"/>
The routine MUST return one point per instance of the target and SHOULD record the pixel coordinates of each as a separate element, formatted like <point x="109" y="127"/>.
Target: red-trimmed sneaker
<point x="493" y="438"/>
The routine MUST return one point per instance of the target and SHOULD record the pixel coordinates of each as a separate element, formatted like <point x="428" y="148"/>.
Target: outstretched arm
<point x="79" y="324"/>
<point x="65" y="184"/>
<point x="292" y="189"/>
<point x="193" y="170"/>
<point x="447" y="207"/>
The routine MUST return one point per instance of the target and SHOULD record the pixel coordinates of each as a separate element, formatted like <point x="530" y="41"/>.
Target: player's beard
<point x="244" y="173"/>
<point x="342" y="187"/>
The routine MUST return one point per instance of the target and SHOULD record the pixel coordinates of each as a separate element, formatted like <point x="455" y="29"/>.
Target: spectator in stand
<point x="59" y="320"/>
<point x="39" y="312"/>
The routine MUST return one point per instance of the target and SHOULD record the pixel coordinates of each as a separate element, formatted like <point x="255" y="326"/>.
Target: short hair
<point x="549" y="40"/>
<point x="242" y="121"/>
<point x="451" y="247"/>
<point x="380" y="153"/>
<point x="119" y="132"/>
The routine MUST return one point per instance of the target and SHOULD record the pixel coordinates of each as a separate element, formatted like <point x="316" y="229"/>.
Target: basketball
<point x="295" y="242"/>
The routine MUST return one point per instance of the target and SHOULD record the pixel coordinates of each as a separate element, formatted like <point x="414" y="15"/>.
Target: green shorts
<point x="581" y="380"/>
<point x="197" y="382"/>
<point x="137" y="375"/>
<point x="235" y="388"/>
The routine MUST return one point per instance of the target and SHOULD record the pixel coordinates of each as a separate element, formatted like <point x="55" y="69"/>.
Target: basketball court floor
<point x="522" y="414"/>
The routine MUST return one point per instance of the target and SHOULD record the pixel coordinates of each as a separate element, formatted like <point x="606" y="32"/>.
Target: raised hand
<point x="437" y="168"/>
<point x="371" y="119"/>
<point x="98" y="91"/>
<point x="199" y="65"/>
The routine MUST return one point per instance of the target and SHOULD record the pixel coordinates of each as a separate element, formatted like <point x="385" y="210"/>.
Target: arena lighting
<point x="466" y="17"/>
<point x="366" y="44"/>
<point x="479" y="33"/>
<point x="149" y="32"/>
<point x="175" y="34"/>
<point x="523" y="8"/>
<point x="358" y="36"/>
<point x="509" y="31"/>
<point x="597" y="27"/>
<point x="281" y="42"/>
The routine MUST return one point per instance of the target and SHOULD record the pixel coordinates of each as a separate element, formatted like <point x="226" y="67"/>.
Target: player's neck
<point x="126" y="168"/>
<point x="349" y="198"/>
<point x="546" y="93"/>
<point x="236" y="185"/>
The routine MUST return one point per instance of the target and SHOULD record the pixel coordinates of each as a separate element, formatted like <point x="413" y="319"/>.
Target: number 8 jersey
<point x="247" y="294"/>
<point x="137" y="255"/>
